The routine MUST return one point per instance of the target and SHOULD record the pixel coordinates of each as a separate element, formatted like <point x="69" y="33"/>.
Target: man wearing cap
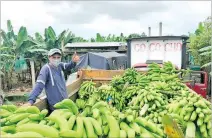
<point x="51" y="78"/>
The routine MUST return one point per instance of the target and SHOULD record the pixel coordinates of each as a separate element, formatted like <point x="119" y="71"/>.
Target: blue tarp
<point x="104" y="60"/>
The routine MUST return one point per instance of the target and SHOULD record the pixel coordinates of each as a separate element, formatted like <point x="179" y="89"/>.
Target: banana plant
<point x="53" y="41"/>
<point x="200" y="42"/>
<point x="134" y="35"/>
<point x="206" y="51"/>
<point x="109" y="38"/>
<point x="12" y="47"/>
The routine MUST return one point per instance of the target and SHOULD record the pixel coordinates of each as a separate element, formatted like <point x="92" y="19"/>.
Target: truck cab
<point x="199" y="82"/>
<point x="144" y="66"/>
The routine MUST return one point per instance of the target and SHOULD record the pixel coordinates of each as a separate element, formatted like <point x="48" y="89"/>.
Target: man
<point x="51" y="78"/>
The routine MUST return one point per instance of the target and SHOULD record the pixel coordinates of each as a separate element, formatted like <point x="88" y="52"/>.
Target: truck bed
<point x="97" y="76"/>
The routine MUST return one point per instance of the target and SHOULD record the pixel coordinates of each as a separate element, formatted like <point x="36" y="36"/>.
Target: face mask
<point x="56" y="62"/>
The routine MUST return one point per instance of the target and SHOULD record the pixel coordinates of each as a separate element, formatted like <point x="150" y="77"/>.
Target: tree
<point x="12" y="48"/>
<point x="134" y="35"/>
<point x="200" y="43"/>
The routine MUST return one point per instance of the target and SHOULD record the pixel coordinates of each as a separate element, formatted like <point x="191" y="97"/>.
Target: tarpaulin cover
<point x="104" y="60"/>
<point x="20" y="64"/>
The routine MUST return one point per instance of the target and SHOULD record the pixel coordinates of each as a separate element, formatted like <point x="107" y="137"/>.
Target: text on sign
<point x="158" y="47"/>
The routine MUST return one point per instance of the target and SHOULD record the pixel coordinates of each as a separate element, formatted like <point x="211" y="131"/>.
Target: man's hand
<point x="75" y="57"/>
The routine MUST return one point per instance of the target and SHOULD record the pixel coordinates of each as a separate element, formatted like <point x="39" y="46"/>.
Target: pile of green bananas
<point x="87" y="88"/>
<point x="127" y="123"/>
<point x="194" y="108"/>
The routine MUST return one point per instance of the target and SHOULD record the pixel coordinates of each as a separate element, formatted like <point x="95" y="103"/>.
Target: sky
<point x="86" y="18"/>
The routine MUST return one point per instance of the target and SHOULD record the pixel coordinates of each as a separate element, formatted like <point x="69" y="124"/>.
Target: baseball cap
<point x="54" y="51"/>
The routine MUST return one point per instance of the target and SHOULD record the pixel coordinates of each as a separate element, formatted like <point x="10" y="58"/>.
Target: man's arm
<point x="41" y="81"/>
<point x="68" y="66"/>
<point x="36" y="92"/>
<point x="71" y="64"/>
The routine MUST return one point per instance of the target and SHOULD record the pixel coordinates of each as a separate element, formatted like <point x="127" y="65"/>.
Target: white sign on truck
<point x="169" y="48"/>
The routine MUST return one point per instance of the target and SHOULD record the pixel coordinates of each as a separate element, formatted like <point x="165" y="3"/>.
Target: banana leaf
<point x="206" y="53"/>
<point x="51" y="33"/>
<point x="37" y="43"/>
<point x="4" y="48"/>
<point x="38" y="37"/>
<point x="1" y="73"/>
<point x="207" y="64"/>
<point x="61" y="36"/>
<point x="22" y="36"/>
<point x="50" y="44"/>
<point x="10" y="33"/>
<point x="38" y="50"/>
<point x="7" y="55"/>
<point x="25" y="46"/>
<point x="69" y="37"/>
<point x="4" y="36"/>
<point x="46" y="34"/>
<point x="205" y="48"/>
<point x="9" y="26"/>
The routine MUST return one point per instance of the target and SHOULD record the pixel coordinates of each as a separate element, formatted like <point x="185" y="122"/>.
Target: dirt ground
<point x="19" y="89"/>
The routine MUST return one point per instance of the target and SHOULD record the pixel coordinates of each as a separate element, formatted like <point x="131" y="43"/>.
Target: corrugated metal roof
<point x="108" y="54"/>
<point x="96" y="44"/>
<point x="159" y="37"/>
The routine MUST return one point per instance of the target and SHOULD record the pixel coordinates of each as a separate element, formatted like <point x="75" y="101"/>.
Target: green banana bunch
<point x="149" y="97"/>
<point x="117" y="82"/>
<point x="106" y="91"/>
<point x="80" y="103"/>
<point x="130" y="75"/>
<point x="154" y="68"/>
<point x="143" y="80"/>
<point x="156" y="115"/>
<point x="87" y="88"/>
<point x="168" y="67"/>
<point x="130" y="92"/>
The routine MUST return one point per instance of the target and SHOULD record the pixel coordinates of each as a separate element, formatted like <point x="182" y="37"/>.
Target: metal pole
<point x="160" y="29"/>
<point x="149" y="31"/>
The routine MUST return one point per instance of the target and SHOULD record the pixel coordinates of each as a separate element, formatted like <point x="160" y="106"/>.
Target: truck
<point x="159" y="49"/>
<point x="41" y="120"/>
<point x="97" y="76"/>
<point x="140" y="53"/>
